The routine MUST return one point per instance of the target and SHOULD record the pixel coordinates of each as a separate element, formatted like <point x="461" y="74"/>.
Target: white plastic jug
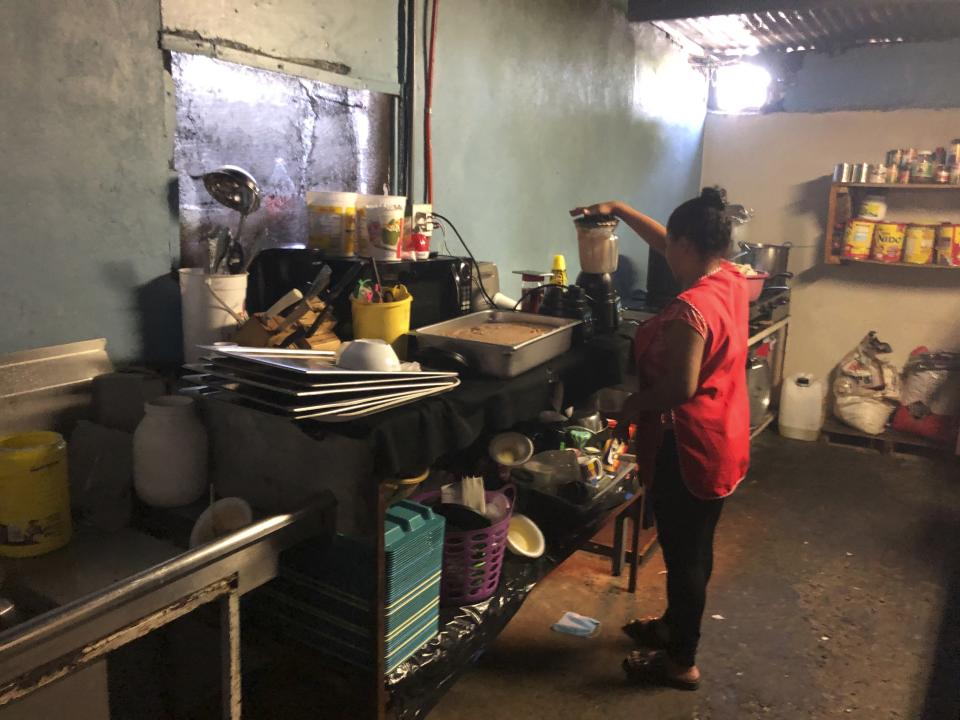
<point x="801" y="407"/>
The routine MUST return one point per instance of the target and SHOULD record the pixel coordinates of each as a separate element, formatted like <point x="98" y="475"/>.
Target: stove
<point x="772" y="307"/>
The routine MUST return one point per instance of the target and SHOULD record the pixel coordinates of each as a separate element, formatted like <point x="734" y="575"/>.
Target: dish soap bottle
<point x="559" y="271"/>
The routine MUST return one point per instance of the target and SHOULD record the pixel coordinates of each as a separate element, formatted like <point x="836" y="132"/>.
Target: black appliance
<point x="440" y="286"/>
<point x="603" y="298"/>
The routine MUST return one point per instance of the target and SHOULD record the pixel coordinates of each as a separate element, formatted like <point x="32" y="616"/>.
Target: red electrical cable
<point x="428" y="107"/>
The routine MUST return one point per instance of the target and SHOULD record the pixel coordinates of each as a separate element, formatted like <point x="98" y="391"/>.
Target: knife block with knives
<point x="300" y="319"/>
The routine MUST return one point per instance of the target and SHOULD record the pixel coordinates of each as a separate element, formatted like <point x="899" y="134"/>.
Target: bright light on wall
<point x="741" y="87"/>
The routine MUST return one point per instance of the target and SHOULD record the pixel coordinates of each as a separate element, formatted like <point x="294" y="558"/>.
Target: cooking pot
<point x="758" y="388"/>
<point x="771" y="259"/>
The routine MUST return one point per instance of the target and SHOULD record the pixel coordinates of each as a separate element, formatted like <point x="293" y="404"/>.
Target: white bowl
<point x="525" y="538"/>
<point x="225" y="516"/>
<point x="368" y="354"/>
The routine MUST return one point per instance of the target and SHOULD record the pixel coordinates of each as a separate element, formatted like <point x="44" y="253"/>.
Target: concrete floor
<point x="836" y="594"/>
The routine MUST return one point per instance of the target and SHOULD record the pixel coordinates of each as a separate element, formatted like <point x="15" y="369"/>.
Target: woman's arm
<point x="683" y="354"/>
<point x="649" y="229"/>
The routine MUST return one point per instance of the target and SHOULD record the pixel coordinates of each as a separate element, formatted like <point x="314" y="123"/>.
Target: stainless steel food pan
<point x="502" y="361"/>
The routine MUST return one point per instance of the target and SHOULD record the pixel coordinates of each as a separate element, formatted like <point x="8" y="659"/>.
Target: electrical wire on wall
<point x="428" y="104"/>
<point x="476" y="266"/>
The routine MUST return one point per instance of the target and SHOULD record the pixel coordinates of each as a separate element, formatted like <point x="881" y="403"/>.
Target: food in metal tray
<point x="499" y="333"/>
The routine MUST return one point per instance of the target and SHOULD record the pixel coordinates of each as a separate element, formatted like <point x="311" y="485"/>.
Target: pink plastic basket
<point x="472" y="560"/>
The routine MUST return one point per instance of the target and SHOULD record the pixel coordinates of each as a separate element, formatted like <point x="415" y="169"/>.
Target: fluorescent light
<point x="741" y="87"/>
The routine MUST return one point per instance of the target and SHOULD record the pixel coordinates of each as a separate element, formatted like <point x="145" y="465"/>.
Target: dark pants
<point x="685" y="527"/>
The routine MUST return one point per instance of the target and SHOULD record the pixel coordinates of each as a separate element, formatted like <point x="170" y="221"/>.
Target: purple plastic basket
<point x="472" y="560"/>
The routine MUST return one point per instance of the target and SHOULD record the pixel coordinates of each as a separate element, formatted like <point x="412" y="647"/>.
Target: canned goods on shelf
<point x="919" y="243"/>
<point x="878" y="174"/>
<point x="858" y="239"/>
<point x="948" y="245"/>
<point x="888" y="241"/>
<point x="843" y="173"/>
<point x="923" y="168"/>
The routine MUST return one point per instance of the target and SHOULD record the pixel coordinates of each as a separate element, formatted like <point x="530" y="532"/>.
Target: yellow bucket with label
<point x="34" y="494"/>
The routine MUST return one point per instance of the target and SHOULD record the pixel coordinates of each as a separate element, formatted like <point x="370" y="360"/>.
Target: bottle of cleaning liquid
<point x="559" y="271"/>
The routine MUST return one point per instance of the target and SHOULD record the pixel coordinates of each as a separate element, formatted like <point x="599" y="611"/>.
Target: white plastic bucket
<point x="332" y="222"/>
<point x="801" y="412"/>
<point x="211" y="308"/>
<point x="384" y="223"/>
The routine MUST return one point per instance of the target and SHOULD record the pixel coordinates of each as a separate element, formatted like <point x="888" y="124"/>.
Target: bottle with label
<point x="559" y="271"/>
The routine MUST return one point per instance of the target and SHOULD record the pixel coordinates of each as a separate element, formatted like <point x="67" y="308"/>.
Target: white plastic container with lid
<point x="801" y="413"/>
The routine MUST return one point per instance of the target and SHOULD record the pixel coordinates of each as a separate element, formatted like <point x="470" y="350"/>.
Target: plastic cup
<point x="387" y="321"/>
<point x="368" y="201"/>
<point x="331" y="218"/>
<point x="385" y="231"/>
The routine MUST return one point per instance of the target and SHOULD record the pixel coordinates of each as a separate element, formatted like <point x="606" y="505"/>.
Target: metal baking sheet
<point x="335" y="412"/>
<point x="497" y="360"/>
<point x="380" y="407"/>
<point x="312" y="364"/>
<point x="291" y="405"/>
<point x="275" y="376"/>
<point x="335" y="391"/>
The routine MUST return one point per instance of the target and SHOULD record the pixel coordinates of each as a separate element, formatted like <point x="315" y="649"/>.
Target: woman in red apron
<point x="693" y="420"/>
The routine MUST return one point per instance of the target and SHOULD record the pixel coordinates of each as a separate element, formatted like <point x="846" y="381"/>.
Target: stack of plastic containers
<point x="327" y="600"/>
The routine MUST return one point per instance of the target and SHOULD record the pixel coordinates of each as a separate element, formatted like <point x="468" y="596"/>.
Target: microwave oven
<point x="440" y="286"/>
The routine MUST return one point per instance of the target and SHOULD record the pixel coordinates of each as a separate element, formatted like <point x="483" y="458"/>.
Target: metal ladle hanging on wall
<point x="235" y="188"/>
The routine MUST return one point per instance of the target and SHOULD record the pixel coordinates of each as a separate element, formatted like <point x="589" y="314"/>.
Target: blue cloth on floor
<point x="575" y="624"/>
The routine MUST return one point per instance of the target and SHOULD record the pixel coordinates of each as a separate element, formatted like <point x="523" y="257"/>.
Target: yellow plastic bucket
<point x="387" y="321"/>
<point x="34" y="494"/>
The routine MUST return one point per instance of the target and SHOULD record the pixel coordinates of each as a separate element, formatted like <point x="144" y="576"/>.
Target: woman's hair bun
<point x="714" y="197"/>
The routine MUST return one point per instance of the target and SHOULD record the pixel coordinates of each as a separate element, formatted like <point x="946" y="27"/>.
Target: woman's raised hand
<point x="605" y="208"/>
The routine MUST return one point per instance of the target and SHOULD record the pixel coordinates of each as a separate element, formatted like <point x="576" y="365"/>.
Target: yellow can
<point x="34" y="494"/>
<point x="332" y="222"/>
<point x="948" y="245"/>
<point x="858" y="239"/>
<point x="888" y="242"/>
<point x="919" y="244"/>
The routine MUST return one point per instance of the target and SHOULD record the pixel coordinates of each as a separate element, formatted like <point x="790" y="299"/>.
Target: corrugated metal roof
<point x="830" y="27"/>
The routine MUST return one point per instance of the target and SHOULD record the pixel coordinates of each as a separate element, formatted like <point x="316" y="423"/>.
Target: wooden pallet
<point x="887" y="443"/>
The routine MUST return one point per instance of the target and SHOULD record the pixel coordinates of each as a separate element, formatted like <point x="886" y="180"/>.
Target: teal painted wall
<point x="85" y="224"/>
<point x="541" y="105"/>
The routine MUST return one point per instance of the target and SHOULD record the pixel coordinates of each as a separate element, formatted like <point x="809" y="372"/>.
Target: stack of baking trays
<point x="325" y="597"/>
<point x="307" y="385"/>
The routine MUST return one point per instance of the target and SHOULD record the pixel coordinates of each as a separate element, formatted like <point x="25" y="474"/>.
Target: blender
<point x="599" y="256"/>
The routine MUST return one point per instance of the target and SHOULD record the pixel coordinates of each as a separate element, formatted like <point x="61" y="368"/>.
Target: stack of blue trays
<point x="327" y="601"/>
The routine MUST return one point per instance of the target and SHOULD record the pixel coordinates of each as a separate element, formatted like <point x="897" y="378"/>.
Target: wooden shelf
<point x="849" y="261"/>
<point x="898" y="186"/>
<point x="843" y="196"/>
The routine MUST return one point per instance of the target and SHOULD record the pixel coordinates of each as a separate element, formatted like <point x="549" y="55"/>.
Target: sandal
<point x="651" y="669"/>
<point x="650" y="633"/>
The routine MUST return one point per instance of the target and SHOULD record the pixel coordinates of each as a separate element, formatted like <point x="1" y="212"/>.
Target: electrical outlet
<point x="421" y="213"/>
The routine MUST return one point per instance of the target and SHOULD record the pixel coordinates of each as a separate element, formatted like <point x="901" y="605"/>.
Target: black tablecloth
<point x="409" y="438"/>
